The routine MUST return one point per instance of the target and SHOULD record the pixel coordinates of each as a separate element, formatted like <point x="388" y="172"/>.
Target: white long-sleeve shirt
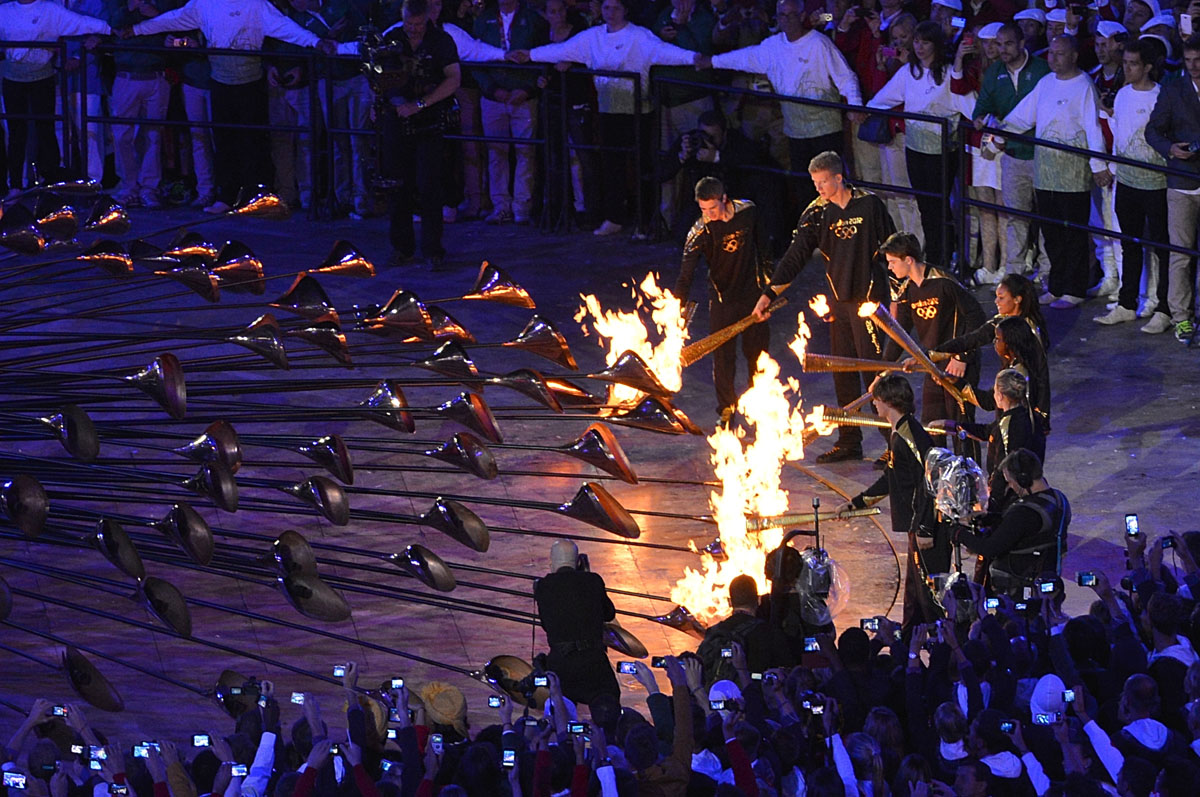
<point x="923" y="95"/>
<point x="1108" y="754"/>
<point x="470" y="48"/>
<point x="41" y="21"/>
<point x="1064" y="111"/>
<point x="811" y="68"/>
<point x="233" y="25"/>
<point x="1131" y="111"/>
<point x="630" y="49"/>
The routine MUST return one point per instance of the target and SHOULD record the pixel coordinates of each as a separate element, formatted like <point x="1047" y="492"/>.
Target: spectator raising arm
<point x="37" y="714"/>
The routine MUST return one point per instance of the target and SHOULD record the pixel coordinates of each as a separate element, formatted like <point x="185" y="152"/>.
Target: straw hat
<point x="445" y="705"/>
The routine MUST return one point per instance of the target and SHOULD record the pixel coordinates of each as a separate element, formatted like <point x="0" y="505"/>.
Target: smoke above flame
<point x="625" y="330"/>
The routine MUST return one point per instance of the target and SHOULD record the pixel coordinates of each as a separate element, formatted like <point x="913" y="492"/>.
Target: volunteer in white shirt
<point x="29" y="82"/>
<point x="619" y="45"/>
<point x="801" y="62"/>
<point x="1141" y="200"/>
<point x="239" y="89"/>
<point x="923" y="86"/>
<point x="1063" y="108"/>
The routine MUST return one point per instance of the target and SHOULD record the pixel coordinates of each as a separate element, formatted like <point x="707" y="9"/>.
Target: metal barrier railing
<point x="321" y="136"/>
<point x="948" y="129"/>
<point x="964" y="164"/>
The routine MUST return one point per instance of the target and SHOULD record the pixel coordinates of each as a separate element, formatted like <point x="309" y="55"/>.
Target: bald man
<point x="573" y="608"/>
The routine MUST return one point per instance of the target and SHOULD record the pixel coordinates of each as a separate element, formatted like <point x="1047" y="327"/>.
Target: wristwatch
<point x="420" y="105"/>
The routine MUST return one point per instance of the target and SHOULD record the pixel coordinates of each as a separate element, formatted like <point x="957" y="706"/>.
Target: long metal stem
<point x="207" y="643"/>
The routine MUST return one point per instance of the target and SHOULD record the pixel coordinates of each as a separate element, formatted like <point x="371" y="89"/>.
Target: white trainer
<point x="607" y="228"/>
<point x="1117" y="315"/>
<point x="1159" y="323"/>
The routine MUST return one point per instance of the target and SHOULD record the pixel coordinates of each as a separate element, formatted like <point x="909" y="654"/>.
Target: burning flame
<point x="815" y="421"/>
<point x="626" y="331"/>
<point x="867" y="309"/>
<point x="749" y="475"/>
<point x="799" y="344"/>
<point x="819" y="305"/>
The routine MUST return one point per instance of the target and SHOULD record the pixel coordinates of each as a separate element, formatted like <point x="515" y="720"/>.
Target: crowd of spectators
<point x="1110" y="77"/>
<point x="1007" y="699"/>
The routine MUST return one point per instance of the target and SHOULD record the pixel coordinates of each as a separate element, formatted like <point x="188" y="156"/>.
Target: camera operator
<point x="573" y="608"/>
<point x="1031" y="537"/>
<point x="713" y="149"/>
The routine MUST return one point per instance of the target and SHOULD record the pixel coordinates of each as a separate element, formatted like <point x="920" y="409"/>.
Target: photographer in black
<point x="573" y="608"/>
<point x="1031" y="537"/>
<point x="713" y="149"/>
<point x="412" y="116"/>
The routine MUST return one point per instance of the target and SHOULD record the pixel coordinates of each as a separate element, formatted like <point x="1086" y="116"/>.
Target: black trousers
<point x="622" y="130"/>
<point x="1143" y="213"/>
<point x="1067" y="248"/>
<point x="933" y="173"/>
<point x="851" y="336"/>
<point x="754" y="341"/>
<point x="937" y="404"/>
<point x="803" y="150"/>
<point x="919" y="606"/>
<point x="417" y="162"/>
<point x="241" y="158"/>
<point x="581" y="124"/>
<point x="585" y="675"/>
<point x="35" y="97"/>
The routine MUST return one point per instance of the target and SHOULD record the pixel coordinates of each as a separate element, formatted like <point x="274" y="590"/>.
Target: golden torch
<point x="880" y="315"/>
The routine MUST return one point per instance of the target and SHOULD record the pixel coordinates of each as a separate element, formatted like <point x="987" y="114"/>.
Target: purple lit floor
<point x="1125" y="440"/>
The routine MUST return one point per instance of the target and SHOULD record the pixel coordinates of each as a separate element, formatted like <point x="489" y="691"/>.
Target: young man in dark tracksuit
<point x="847" y="225"/>
<point x="937" y="308"/>
<point x="903" y="482"/>
<point x="730" y="238"/>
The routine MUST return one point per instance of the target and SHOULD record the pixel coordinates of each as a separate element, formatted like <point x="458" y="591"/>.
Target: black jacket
<point x="573" y="608"/>
<point x="1176" y="120"/>
<point x="903" y="480"/>
<point x="849" y="238"/>
<point x="1029" y="538"/>
<point x="734" y="251"/>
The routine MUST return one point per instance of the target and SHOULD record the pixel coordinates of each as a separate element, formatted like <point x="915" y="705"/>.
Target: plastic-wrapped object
<point x="958" y="485"/>
<point x="822" y="586"/>
<point x="936" y="460"/>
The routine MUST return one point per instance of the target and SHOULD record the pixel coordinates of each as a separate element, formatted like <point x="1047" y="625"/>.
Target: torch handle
<point x="914" y="350"/>
<point x="707" y="345"/>
<point x="780" y="521"/>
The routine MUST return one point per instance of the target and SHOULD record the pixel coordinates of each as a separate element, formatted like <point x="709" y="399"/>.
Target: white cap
<point x="1106" y="29"/>
<point x="954" y="4"/>
<point x="990" y="30"/>
<point x="1031" y="13"/>
<point x="1161" y="19"/>
<point x="1155" y="8"/>
<point x="724" y="690"/>
<point x="1162" y="39"/>
<point x="1057" y="15"/>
